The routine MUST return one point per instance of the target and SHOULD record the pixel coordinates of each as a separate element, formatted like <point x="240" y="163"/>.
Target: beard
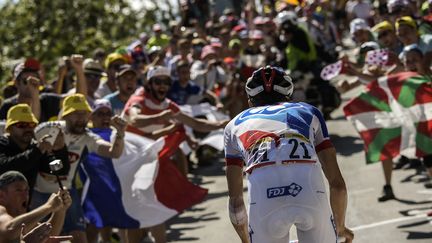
<point x="78" y="129"/>
<point x="158" y="95"/>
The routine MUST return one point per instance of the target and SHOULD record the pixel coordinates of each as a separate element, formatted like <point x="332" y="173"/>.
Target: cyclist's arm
<point x="236" y="206"/>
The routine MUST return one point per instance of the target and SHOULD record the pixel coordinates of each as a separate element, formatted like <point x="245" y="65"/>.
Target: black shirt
<point x="50" y="106"/>
<point x="29" y="161"/>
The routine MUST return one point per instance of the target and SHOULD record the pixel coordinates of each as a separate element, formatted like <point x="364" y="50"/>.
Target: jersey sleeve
<point x="321" y="136"/>
<point x="233" y="155"/>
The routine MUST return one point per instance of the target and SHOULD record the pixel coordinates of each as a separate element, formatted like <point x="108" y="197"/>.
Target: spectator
<point x="93" y="72"/>
<point x="300" y="49"/>
<point x="406" y="30"/>
<point x="360" y="31"/>
<point x="27" y="81"/>
<point x="153" y="115"/>
<point x="19" y="152"/>
<point x="386" y="37"/>
<point x="79" y="140"/>
<point x="126" y="80"/>
<point x="208" y="72"/>
<point x="158" y="39"/>
<point x="112" y="65"/>
<point x="99" y="55"/>
<point x="183" y="88"/>
<point x="359" y="9"/>
<point x="13" y="210"/>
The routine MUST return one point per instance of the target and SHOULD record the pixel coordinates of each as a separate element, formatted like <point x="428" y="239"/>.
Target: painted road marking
<point x="390" y="221"/>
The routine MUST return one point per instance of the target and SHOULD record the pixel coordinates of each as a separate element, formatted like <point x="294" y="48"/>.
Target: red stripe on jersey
<point x="234" y="161"/>
<point x="323" y="145"/>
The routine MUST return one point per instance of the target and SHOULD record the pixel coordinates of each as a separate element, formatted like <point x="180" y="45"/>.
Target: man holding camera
<point x="20" y="152"/>
<point x="80" y="141"/>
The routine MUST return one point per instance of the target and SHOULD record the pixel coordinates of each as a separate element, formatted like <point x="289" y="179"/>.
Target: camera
<point x="55" y="165"/>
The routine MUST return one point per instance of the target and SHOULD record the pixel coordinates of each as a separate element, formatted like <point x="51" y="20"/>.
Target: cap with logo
<point x="20" y="113"/>
<point x="29" y="65"/>
<point x="158" y="71"/>
<point x="358" y="24"/>
<point x="75" y="102"/>
<point x="101" y="103"/>
<point x="125" y="68"/>
<point x="93" y="67"/>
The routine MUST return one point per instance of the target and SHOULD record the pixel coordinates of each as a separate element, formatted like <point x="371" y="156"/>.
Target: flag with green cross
<point x="394" y="116"/>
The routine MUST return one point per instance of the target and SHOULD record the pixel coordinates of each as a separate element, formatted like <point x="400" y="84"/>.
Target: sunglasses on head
<point x="22" y="125"/>
<point x="160" y="81"/>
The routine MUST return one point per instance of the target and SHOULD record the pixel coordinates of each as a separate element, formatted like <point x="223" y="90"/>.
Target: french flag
<point x="141" y="189"/>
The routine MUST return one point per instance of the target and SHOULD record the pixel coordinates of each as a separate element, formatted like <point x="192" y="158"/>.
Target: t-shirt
<point x="116" y="104"/>
<point x="276" y="134"/>
<point x="103" y="90"/>
<point x="78" y="147"/>
<point x="180" y="94"/>
<point x="49" y="102"/>
<point x="149" y="106"/>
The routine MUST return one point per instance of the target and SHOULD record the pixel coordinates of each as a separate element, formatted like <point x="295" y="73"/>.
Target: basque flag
<point x="394" y="116"/>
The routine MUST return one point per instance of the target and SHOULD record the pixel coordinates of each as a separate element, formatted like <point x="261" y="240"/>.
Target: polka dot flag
<point x="377" y="57"/>
<point x="332" y="70"/>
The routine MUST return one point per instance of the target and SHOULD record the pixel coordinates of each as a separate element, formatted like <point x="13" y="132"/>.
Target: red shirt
<point x="149" y="106"/>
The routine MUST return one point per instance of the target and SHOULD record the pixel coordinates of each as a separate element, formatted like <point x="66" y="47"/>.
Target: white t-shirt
<point x="77" y="146"/>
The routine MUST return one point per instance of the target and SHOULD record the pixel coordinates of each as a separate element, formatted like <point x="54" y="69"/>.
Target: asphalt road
<point x="401" y="220"/>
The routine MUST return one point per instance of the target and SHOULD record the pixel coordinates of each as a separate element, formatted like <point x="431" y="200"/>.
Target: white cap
<point x="358" y="24"/>
<point x="101" y="103"/>
<point x="157" y="71"/>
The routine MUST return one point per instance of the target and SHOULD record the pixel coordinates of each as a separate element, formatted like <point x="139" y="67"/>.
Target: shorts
<point x="74" y="219"/>
<point x="284" y="195"/>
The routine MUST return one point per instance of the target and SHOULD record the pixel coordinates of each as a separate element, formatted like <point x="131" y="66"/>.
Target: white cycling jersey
<point x="278" y="146"/>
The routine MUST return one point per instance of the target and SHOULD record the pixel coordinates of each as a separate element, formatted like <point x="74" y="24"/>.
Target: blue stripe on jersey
<point x="299" y="120"/>
<point x="298" y="115"/>
<point x="321" y="120"/>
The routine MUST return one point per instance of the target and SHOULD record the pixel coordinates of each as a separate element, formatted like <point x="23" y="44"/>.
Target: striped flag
<point x="394" y="116"/>
<point x="140" y="189"/>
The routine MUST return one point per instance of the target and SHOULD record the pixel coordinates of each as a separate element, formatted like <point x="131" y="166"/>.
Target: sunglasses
<point x="92" y="76"/>
<point x="23" y="125"/>
<point x="160" y="81"/>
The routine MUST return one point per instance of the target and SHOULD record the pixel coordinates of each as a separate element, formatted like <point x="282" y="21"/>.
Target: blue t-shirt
<point x="180" y="95"/>
<point x="116" y="103"/>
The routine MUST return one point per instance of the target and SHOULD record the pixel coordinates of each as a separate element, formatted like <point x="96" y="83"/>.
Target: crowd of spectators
<point x="199" y="57"/>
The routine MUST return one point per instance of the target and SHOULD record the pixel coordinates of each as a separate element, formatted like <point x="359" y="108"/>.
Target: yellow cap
<point x="20" y="113"/>
<point x="406" y="20"/>
<point x="114" y="57"/>
<point x="75" y="102"/>
<point x="384" y="25"/>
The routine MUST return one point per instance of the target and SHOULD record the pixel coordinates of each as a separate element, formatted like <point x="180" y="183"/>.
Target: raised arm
<point x="77" y="64"/>
<point x="201" y="125"/>
<point x="139" y="120"/>
<point x="114" y="149"/>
